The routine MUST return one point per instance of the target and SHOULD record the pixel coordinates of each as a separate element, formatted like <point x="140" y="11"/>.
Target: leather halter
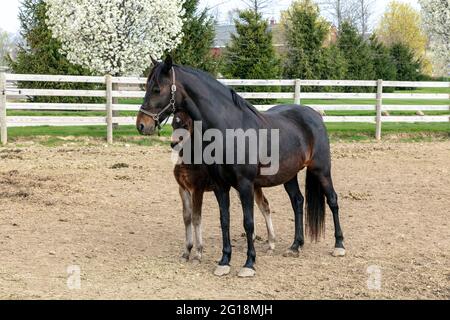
<point x="171" y="104"/>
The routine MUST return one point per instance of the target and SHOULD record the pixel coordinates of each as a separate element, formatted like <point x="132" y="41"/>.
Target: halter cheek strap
<point x="171" y="105"/>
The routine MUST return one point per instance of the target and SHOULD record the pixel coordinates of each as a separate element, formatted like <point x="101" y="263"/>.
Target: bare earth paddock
<point x="115" y="213"/>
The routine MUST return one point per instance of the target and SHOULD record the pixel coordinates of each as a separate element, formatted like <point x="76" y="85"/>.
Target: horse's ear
<point x="168" y="64"/>
<point x="154" y="62"/>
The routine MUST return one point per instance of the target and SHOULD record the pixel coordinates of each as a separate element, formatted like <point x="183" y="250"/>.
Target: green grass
<point x="367" y="101"/>
<point x="91" y="131"/>
<point x="426" y="90"/>
<point x="33" y="113"/>
<point x="52" y="136"/>
<point x="402" y="131"/>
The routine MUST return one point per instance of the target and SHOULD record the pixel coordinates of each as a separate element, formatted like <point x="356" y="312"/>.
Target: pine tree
<point x="198" y="39"/>
<point x="40" y="53"/>
<point x="407" y="65"/>
<point x="305" y="33"/>
<point x="251" y="54"/>
<point x="383" y="63"/>
<point x="333" y="64"/>
<point x="357" y="53"/>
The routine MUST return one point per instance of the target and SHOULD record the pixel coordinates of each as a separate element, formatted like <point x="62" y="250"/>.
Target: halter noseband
<point x="156" y="116"/>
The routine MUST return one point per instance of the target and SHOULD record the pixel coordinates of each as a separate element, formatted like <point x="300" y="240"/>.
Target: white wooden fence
<point x="13" y="98"/>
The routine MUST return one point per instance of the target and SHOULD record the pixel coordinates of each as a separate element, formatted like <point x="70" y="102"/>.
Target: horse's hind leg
<point x="297" y="202"/>
<point x="197" y="202"/>
<point x="186" y="199"/>
<point x="332" y="201"/>
<point x="263" y="206"/>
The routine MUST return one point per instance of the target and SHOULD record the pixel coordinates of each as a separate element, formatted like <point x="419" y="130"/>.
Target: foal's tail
<point x="315" y="206"/>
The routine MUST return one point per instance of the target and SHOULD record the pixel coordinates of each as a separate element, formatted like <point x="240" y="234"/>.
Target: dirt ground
<point x="115" y="213"/>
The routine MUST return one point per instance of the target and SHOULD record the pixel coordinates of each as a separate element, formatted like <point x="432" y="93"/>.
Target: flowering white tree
<point x="115" y="37"/>
<point x="436" y="21"/>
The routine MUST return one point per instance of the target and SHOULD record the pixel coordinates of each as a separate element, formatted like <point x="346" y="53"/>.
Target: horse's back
<point x="305" y="123"/>
<point x="303" y="118"/>
<point x="299" y="114"/>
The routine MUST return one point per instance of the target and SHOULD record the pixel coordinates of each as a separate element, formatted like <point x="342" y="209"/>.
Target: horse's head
<point x="159" y="101"/>
<point x="181" y="120"/>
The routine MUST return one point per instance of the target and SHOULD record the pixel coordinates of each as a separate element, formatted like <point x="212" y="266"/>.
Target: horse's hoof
<point x="338" y="252"/>
<point x="291" y="253"/>
<point x="246" y="273"/>
<point x="196" y="260"/>
<point x="269" y="252"/>
<point x="222" y="271"/>
<point x="184" y="258"/>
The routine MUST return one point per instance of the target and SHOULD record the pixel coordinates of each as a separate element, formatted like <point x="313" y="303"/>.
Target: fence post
<point x="379" y="108"/>
<point x="3" y="122"/>
<point x="297" y="92"/>
<point x="109" y="109"/>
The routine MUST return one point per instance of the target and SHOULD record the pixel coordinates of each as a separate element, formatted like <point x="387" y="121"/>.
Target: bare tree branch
<point x="365" y="9"/>
<point x="257" y="6"/>
<point x="340" y="11"/>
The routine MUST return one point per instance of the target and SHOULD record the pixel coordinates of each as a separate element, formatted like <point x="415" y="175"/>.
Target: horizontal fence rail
<point x="13" y="97"/>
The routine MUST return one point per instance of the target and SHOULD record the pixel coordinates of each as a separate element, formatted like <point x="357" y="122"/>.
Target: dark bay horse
<point x="193" y="181"/>
<point x="302" y="143"/>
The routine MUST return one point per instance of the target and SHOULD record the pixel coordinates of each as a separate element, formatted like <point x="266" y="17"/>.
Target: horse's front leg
<point x="246" y="194"/>
<point x="223" y="198"/>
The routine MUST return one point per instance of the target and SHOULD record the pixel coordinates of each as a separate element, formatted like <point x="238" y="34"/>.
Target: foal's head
<point x="181" y="120"/>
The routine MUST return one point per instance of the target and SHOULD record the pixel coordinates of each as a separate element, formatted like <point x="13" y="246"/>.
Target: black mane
<point x="238" y="101"/>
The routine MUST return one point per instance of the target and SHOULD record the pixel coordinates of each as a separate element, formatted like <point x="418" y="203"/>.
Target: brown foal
<point x="194" y="181"/>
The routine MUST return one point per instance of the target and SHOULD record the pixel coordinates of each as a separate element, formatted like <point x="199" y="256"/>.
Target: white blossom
<point x="436" y="22"/>
<point x="115" y="37"/>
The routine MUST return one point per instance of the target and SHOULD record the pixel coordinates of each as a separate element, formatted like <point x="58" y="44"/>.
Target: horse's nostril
<point x="141" y="127"/>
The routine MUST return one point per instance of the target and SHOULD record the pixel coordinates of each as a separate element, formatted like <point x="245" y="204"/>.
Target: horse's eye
<point x="156" y="89"/>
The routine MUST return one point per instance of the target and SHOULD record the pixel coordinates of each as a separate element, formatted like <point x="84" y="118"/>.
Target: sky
<point x="9" y="10"/>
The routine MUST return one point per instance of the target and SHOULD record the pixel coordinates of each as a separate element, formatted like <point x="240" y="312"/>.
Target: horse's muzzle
<point x="145" y="125"/>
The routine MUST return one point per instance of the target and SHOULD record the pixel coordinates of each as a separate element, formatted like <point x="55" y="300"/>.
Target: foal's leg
<point x="186" y="199"/>
<point x="246" y="194"/>
<point x="263" y="206"/>
<point x="297" y="201"/>
<point x="332" y="201"/>
<point x="223" y="198"/>
<point x="197" y="201"/>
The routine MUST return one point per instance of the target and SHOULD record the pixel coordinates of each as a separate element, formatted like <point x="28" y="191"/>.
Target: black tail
<point x="315" y="206"/>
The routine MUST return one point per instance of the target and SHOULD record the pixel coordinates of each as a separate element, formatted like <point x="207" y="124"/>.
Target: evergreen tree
<point x="305" y="33"/>
<point x="383" y="63"/>
<point x="333" y="64"/>
<point x="40" y="53"/>
<point x="198" y="39"/>
<point x="357" y="53"/>
<point x="251" y="54"/>
<point x="407" y="65"/>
